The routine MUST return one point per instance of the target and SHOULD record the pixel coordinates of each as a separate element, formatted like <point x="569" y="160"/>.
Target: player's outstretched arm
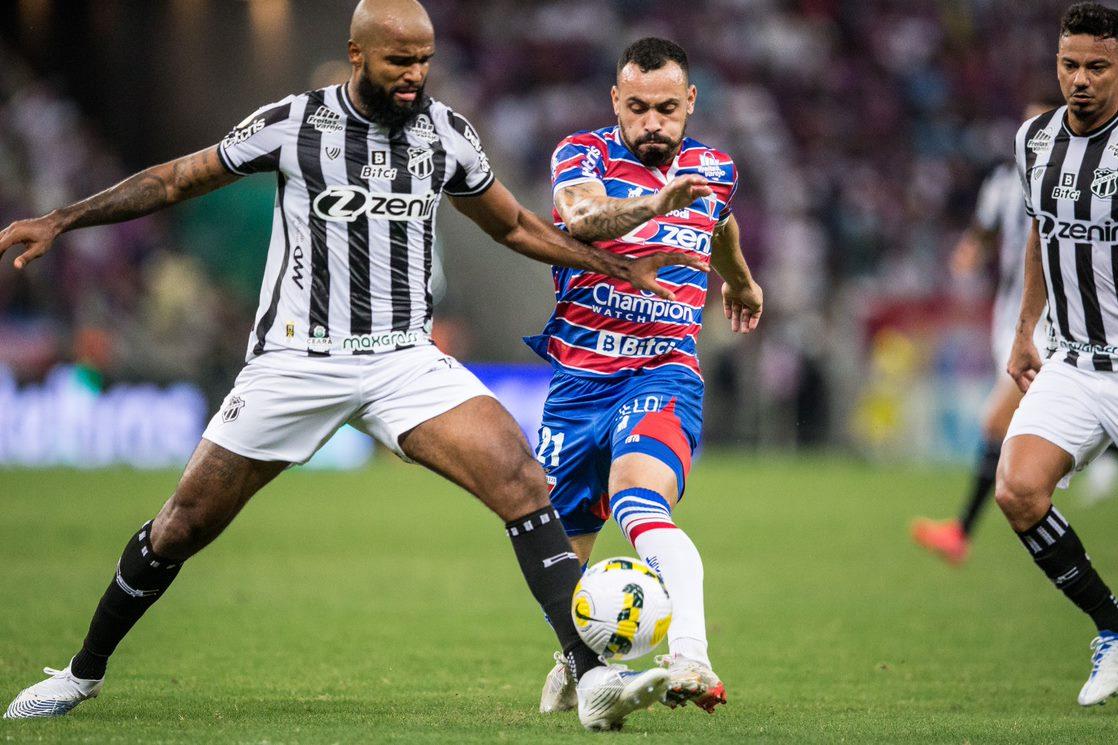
<point x="742" y="299"/>
<point x="1024" y="359"/>
<point x="497" y="212"/>
<point x="591" y="216"/>
<point x="138" y="195"/>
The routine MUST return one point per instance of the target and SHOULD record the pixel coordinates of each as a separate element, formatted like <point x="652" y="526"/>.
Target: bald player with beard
<point x="342" y="335"/>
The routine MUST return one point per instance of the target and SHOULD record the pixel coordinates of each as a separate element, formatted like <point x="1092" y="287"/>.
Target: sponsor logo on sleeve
<point x="242" y="133"/>
<point x="710" y="167"/>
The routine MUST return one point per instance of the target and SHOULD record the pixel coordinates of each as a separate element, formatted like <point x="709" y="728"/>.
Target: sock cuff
<point x="147" y="553"/>
<point x="1043" y="535"/>
<point x="640" y="510"/>
<point x="531" y="521"/>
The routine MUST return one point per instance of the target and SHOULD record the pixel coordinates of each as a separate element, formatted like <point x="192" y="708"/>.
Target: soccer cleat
<point x="946" y="539"/>
<point x="53" y="697"/>
<point x="689" y="680"/>
<point x="609" y="693"/>
<point x="1102" y="683"/>
<point x="559" y="688"/>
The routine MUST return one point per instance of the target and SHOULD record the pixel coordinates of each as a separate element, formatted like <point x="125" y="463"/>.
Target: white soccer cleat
<point x="53" y="697"/>
<point x="1103" y="681"/>
<point x="609" y="693"/>
<point x="559" y="688"/>
<point x="690" y="680"/>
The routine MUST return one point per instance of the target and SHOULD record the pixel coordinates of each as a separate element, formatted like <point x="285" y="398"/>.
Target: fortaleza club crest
<point x="1104" y="184"/>
<point x="420" y="161"/>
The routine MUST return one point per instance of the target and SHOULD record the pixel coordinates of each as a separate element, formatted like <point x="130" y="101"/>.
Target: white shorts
<point x="285" y="405"/>
<point x="1076" y="410"/>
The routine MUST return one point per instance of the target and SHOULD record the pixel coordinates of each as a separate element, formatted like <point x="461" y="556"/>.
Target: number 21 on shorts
<point x="553" y="439"/>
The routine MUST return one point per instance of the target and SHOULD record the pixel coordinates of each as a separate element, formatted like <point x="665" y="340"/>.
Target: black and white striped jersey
<point x="1000" y="210"/>
<point x="1070" y="183"/>
<point x="349" y="263"/>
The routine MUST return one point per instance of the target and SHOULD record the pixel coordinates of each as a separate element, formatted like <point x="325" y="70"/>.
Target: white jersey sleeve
<point x="1019" y="157"/>
<point x="254" y="145"/>
<point x="472" y="174"/>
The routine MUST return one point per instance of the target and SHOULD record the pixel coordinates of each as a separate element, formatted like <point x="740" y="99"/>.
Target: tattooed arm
<point x="138" y="195"/>
<point x="497" y="212"/>
<point x="591" y="216"/>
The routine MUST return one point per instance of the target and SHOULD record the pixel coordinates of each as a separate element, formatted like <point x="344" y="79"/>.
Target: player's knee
<point x="1020" y="497"/>
<point x="523" y="490"/>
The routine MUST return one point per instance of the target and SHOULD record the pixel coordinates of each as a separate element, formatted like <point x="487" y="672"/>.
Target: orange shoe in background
<point x="944" y="538"/>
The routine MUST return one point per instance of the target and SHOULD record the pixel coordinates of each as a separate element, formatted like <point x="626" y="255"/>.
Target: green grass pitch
<point x="386" y="606"/>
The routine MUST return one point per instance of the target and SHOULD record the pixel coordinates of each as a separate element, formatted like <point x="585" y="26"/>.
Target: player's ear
<point x="356" y="56"/>
<point x="616" y="98"/>
<point x="692" y="94"/>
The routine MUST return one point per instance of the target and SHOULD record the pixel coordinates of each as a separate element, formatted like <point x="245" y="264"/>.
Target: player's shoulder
<point x="599" y="138"/>
<point x="447" y="121"/>
<point x="714" y="164"/>
<point x="1045" y="122"/>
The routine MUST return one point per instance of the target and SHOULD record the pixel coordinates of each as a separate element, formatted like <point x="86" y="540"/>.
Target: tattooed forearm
<point x="148" y="191"/>
<point x="590" y="215"/>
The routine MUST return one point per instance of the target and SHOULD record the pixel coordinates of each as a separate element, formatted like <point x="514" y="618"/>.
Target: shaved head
<point x="391" y="43"/>
<point x="376" y="22"/>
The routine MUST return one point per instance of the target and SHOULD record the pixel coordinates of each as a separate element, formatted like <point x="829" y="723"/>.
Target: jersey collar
<point x="1104" y="127"/>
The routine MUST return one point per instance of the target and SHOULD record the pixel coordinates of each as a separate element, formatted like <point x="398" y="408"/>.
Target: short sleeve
<point x="727" y="209"/>
<point x="254" y="145"/>
<point x="1022" y="164"/>
<point x="474" y="174"/>
<point x="577" y="160"/>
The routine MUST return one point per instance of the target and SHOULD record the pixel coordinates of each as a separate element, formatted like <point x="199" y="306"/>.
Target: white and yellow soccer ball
<point x="621" y="608"/>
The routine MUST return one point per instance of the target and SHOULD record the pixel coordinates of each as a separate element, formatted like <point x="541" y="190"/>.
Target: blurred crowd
<point x="862" y="131"/>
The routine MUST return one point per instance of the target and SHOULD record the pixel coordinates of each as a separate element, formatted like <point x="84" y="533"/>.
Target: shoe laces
<point x="57" y="673"/>
<point x="1100" y="645"/>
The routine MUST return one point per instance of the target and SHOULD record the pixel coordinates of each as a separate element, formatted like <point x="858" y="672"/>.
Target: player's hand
<point x="642" y="272"/>
<point x="1024" y="363"/>
<point x="681" y="192"/>
<point x="742" y="307"/>
<point x="37" y="235"/>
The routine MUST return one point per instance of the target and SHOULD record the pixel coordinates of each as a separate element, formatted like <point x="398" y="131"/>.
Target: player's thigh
<point x="214" y="487"/>
<point x="1055" y="432"/>
<point x="479" y="446"/>
<point x="654" y="437"/>
<point x="573" y="446"/>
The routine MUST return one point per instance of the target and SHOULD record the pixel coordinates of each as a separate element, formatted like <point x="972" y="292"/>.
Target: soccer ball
<point x="621" y="608"/>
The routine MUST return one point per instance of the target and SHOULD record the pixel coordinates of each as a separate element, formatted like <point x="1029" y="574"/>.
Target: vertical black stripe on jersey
<point x="310" y="164"/>
<point x="1084" y="268"/>
<point x="269" y="316"/>
<point x="1049" y="204"/>
<point x="398" y="236"/>
<point x="360" y="290"/>
<point x="1096" y="332"/>
<point x="429" y="232"/>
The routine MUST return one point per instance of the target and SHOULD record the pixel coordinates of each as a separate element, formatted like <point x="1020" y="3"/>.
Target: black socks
<point x="985" y="474"/>
<point x="1056" y="549"/>
<point x="552" y="570"/>
<point x="141" y="577"/>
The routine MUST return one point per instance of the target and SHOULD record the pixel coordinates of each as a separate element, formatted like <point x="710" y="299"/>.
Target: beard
<point x="653" y="157"/>
<point x="380" y="107"/>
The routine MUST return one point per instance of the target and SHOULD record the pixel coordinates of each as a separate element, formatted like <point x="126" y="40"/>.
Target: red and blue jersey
<point x="603" y="327"/>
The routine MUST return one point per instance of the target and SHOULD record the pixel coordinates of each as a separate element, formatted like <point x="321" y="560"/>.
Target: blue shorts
<point x="588" y="422"/>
